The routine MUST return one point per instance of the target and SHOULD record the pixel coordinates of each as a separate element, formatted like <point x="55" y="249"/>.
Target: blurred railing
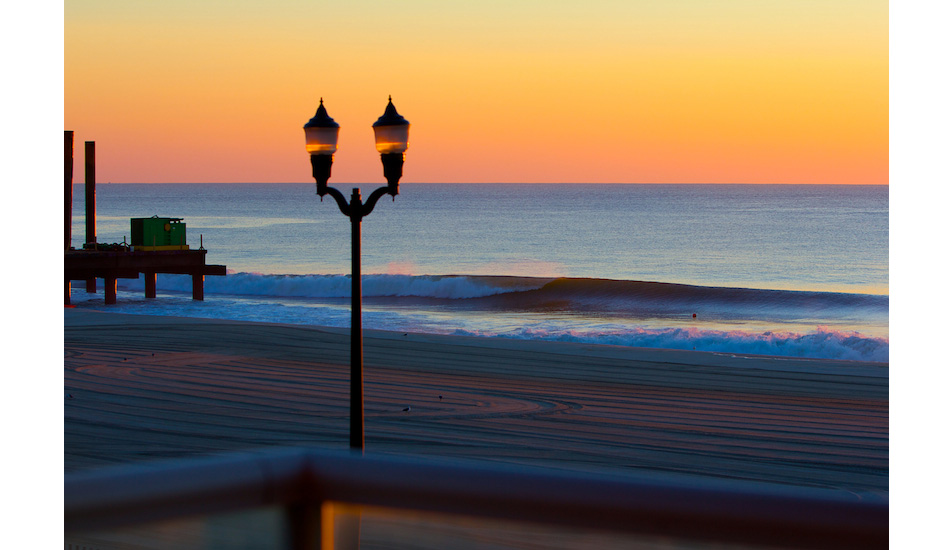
<point x="303" y="482"/>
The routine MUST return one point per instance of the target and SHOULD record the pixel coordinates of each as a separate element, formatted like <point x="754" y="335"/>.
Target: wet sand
<point x="146" y="387"/>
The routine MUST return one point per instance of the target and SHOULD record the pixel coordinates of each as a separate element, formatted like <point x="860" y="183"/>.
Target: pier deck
<point x="110" y="265"/>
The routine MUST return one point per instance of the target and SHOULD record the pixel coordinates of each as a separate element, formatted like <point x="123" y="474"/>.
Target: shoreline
<point x="80" y="317"/>
<point x="144" y="387"/>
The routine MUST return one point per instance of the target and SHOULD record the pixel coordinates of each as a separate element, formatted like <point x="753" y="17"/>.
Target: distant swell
<point x="633" y="296"/>
<point x="449" y="287"/>
<point x="518" y="290"/>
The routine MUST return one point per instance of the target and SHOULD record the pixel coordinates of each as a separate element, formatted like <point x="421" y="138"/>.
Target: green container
<point x="158" y="232"/>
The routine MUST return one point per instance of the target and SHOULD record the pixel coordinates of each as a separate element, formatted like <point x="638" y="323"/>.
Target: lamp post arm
<point x="340" y="199"/>
<point x="374" y="198"/>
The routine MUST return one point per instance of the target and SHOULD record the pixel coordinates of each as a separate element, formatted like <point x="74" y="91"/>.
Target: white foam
<point x="822" y="343"/>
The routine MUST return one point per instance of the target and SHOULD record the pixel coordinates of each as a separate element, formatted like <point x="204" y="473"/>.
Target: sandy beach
<point x="147" y="387"/>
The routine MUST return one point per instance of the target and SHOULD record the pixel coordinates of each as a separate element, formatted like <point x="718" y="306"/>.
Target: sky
<point x="625" y="91"/>
<point x="794" y="91"/>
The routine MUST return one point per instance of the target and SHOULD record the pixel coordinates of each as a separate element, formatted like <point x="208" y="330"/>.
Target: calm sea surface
<point x="809" y="263"/>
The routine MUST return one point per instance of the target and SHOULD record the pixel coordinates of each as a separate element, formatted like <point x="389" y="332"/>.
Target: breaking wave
<point x="601" y="311"/>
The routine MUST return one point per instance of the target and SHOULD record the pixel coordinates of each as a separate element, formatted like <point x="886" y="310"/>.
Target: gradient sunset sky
<point x="725" y="91"/>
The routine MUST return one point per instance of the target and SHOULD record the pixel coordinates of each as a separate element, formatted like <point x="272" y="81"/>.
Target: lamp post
<point x="392" y="140"/>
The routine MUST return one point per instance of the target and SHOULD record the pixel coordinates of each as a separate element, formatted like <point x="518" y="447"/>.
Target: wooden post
<point x="109" y="283"/>
<point x="197" y="286"/>
<point x="68" y="166"/>
<point x="91" y="206"/>
<point x="305" y="527"/>
<point x="68" y="192"/>
<point x="150" y="279"/>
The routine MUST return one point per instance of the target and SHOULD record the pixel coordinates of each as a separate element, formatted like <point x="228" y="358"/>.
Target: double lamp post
<point x="392" y="140"/>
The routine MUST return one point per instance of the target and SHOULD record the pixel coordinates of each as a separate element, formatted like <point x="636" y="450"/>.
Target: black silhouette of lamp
<point x="392" y="140"/>
<point x="322" y="133"/>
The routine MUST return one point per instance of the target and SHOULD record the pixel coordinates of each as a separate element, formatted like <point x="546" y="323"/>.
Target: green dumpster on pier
<point x="158" y="234"/>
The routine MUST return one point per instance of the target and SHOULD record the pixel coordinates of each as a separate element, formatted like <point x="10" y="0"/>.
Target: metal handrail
<point x="304" y="479"/>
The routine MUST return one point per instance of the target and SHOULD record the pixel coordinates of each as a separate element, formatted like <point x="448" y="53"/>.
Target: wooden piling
<point x="198" y="287"/>
<point x="68" y="194"/>
<point x="150" y="283"/>
<point x="110" y="289"/>
<point x="68" y="169"/>
<point x="91" y="205"/>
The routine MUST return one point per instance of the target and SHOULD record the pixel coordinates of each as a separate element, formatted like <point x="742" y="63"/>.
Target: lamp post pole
<point x="356" y="326"/>
<point x="392" y="140"/>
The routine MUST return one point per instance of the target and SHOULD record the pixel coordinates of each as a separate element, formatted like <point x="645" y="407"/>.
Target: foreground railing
<point x="304" y="483"/>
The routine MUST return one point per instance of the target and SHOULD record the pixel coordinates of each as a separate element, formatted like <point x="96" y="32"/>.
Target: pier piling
<point x="91" y="205"/>
<point x="68" y="166"/>
<point x="110" y="289"/>
<point x="197" y="287"/>
<point x="151" y="279"/>
<point x="68" y="193"/>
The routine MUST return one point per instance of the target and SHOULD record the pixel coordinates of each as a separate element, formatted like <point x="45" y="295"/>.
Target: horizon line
<point x="473" y="183"/>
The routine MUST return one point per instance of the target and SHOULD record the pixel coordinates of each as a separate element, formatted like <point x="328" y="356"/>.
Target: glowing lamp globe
<point x="392" y="131"/>
<point x="321" y="132"/>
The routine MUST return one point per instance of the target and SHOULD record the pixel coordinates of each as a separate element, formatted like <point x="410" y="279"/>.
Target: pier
<point x="113" y="262"/>
<point x="87" y="265"/>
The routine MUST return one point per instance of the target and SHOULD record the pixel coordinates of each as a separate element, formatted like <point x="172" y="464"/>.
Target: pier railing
<point x="307" y="488"/>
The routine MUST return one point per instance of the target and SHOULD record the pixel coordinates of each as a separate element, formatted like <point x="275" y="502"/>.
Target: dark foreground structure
<point x="389" y="492"/>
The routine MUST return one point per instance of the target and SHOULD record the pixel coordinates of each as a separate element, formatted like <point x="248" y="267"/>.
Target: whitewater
<point x="748" y="321"/>
<point x="796" y="271"/>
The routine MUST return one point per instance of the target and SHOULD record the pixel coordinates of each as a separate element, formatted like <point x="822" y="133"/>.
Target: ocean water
<point x="770" y="269"/>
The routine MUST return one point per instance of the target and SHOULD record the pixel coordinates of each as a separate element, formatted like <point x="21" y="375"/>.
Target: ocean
<point x="786" y="270"/>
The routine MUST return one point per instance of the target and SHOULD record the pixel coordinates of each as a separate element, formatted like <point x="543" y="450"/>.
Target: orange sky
<point x="497" y="91"/>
